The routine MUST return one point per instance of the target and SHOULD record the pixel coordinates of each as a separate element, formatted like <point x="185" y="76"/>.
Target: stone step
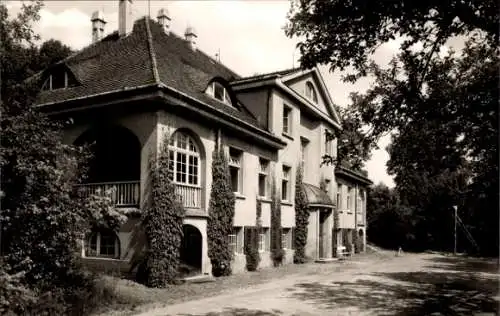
<point x="200" y="278"/>
<point x="326" y="260"/>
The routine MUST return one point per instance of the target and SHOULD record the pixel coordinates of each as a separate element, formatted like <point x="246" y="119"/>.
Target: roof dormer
<point x="219" y="91"/>
<point x="59" y="77"/>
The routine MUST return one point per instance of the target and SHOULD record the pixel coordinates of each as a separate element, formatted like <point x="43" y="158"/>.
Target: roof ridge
<point x="154" y="65"/>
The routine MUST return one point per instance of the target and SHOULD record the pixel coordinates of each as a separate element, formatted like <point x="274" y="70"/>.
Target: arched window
<point x="218" y="91"/>
<point x="311" y="92"/>
<point x="103" y="244"/>
<point x="184" y="159"/>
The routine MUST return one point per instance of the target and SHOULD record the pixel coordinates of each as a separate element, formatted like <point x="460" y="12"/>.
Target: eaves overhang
<point x="166" y="93"/>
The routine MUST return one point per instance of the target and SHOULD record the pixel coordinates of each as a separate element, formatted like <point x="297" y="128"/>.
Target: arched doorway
<point x="191" y="249"/>
<point x="116" y="154"/>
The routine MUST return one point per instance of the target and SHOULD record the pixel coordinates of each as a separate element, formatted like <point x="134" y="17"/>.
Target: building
<point x="129" y="90"/>
<point x="350" y="222"/>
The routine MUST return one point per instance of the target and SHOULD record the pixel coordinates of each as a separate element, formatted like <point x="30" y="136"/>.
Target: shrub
<point x="252" y="248"/>
<point x="301" y="220"/>
<point x="221" y="213"/>
<point x="277" y="252"/>
<point x="162" y="221"/>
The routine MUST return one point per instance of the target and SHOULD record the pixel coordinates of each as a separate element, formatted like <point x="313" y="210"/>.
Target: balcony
<point x="189" y="195"/>
<point x="124" y="194"/>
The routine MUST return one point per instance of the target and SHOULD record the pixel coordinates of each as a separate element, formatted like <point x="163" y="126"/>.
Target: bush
<point x="301" y="220"/>
<point x="221" y="213"/>
<point x="252" y="248"/>
<point x="162" y="220"/>
<point x="277" y="252"/>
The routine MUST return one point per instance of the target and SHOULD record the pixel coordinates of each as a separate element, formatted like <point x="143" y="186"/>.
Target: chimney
<point x="98" y="23"/>
<point x="124" y="17"/>
<point x="190" y="35"/>
<point x="164" y="20"/>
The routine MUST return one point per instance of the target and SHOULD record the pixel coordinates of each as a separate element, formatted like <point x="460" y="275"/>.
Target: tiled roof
<point x="266" y="75"/>
<point x="316" y="196"/>
<point x="146" y="56"/>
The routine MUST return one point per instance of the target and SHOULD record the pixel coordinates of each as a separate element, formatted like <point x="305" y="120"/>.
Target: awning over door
<point x="316" y="197"/>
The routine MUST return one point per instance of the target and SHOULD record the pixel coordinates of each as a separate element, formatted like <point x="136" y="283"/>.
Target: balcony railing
<point x="190" y="196"/>
<point x="125" y="193"/>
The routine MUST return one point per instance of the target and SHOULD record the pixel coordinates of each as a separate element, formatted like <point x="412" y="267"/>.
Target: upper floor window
<point x="349" y="193"/>
<point x="235" y="158"/>
<point x="218" y="91"/>
<point x="328" y="143"/>
<point x="263" y="173"/>
<point x="339" y="196"/>
<point x="287" y="119"/>
<point x="311" y="92"/>
<point x="303" y="152"/>
<point x="184" y="159"/>
<point x="285" y="184"/>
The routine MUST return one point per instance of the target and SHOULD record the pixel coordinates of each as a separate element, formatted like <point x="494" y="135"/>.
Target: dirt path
<point x="410" y="285"/>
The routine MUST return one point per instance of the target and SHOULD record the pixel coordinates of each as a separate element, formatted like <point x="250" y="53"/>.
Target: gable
<point x="310" y="86"/>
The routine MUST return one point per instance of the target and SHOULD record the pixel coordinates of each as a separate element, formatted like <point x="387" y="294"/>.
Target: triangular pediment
<point x="310" y="85"/>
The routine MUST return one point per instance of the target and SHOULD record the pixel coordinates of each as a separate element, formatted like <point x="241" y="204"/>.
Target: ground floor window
<point x="102" y="244"/>
<point x="236" y="240"/>
<point x="264" y="240"/>
<point x="286" y="238"/>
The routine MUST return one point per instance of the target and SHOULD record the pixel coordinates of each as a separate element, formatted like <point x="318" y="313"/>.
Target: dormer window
<point x="311" y="92"/>
<point x="218" y="91"/>
<point x="58" y="79"/>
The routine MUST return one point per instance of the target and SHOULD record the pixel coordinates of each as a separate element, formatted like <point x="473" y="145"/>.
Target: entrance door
<point x="191" y="248"/>
<point x="322" y="233"/>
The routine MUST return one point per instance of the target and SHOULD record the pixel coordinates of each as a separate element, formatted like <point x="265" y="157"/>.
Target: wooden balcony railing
<point x="190" y="196"/>
<point x="125" y="193"/>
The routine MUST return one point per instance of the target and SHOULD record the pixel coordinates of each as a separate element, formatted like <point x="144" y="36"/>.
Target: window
<point x="303" y="151"/>
<point x="339" y="196"/>
<point x="184" y="160"/>
<point x="263" y="240"/>
<point x="311" y="92"/>
<point x="236" y="240"/>
<point x="286" y="238"/>
<point x="216" y="90"/>
<point x="285" y="184"/>
<point x="263" y="172"/>
<point x="235" y="157"/>
<point x="328" y="143"/>
<point x="327" y="185"/>
<point x="102" y="244"/>
<point x="60" y="78"/>
<point x="349" y="191"/>
<point x="287" y="119"/>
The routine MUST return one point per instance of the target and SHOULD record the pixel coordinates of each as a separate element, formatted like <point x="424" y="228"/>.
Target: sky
<point x="248" y="34"/>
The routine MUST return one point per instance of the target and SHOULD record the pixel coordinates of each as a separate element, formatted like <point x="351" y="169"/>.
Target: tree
<point x="221" y="212"/>
<point x="442" y="111"/>
<point x="344" y="34"/>
<point x="301" y="219"/>
<point x="43" y="217"/>
<point x="51" y="52"/>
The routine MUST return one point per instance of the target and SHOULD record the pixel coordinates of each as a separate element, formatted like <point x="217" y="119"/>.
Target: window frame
<point x="286" y="238"/>
<point x="226" y="97"/>
<point x="174" y="150"/>
<point x="262" y="241"/>
<point x="287" y="116"/>
<point x="304" y="143"/>
<point x="264" y="173"/>
<point x="311" y="93"/>
<point x="233" y="163"/>
<point x="88" y="252"/>
<point x="286" y="179"/>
